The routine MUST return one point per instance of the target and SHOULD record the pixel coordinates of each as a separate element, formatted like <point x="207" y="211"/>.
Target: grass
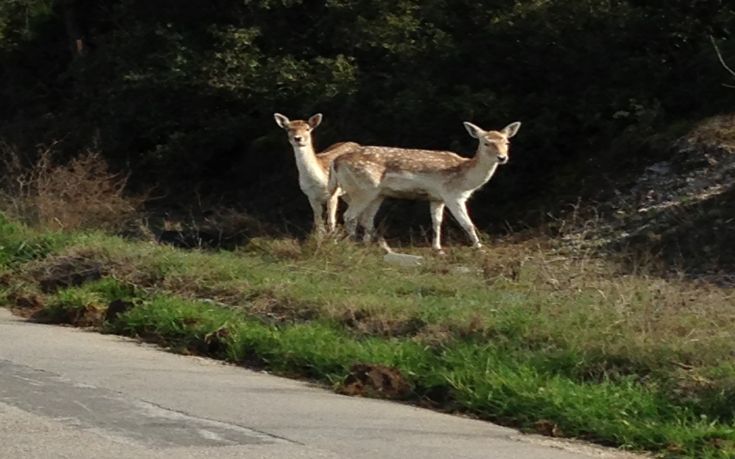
<point x="526" y="334"/>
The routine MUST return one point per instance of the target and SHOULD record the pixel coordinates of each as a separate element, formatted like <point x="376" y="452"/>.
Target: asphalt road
<point x="68" y="393"/>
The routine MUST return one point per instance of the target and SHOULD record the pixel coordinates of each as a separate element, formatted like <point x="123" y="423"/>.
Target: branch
<point x="719" y="56"/>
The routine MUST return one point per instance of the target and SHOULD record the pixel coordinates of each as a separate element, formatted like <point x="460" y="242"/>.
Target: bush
<point x="81" y="194"/>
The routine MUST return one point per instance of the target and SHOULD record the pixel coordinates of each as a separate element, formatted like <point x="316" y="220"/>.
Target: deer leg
<point x="437" y="215"/>
<point x="459" y="210"/>
<point x="332" y="204"/>
<point x="358" y="204"/>
<point x="316" y="207"/>
<point x="367" y="219"/>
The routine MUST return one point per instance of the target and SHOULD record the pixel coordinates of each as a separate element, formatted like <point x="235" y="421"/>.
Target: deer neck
<point x="481" y="169"/>
<point x="311" y="173"/>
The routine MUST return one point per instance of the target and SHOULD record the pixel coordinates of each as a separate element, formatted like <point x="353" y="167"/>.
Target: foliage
<point x="183" y="92"/>
<point x="20" y="18"/>
<point x="19" y="244"/>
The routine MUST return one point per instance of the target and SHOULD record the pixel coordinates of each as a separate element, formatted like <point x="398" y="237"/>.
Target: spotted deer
<point x="369" y="174"/>
<point x="314" y="167"/>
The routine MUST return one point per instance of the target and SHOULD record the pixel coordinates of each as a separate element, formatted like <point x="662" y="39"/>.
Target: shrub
<point x="81" y="194"/>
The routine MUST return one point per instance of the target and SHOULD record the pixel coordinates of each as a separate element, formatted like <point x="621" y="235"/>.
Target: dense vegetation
<point x="182" y="92"/>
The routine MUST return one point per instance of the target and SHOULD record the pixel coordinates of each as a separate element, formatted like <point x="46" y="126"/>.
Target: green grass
<point x="19" y="244"/>
<point x="519" y="335"/>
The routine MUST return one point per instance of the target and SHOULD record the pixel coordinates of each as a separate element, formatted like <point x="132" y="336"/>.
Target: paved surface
<point x="67" y="393"/>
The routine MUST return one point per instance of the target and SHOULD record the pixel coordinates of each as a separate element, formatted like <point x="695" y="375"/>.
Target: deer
<point x="370" y="174"/>
<point x="314" y="167"/>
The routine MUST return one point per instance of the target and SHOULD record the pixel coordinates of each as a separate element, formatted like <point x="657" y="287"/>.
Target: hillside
<point x="182" y="96"/>
<point x="676" y="210"/>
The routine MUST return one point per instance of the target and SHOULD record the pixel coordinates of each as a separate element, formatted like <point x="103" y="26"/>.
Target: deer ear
<point x="473" y="130"/>
<point x="315" y="120"/>
<point x="511" y="129"/>
<point x="281" y="120"/>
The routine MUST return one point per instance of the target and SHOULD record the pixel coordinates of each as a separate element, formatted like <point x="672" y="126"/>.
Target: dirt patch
<point x="199" y="287"/>
<point x="138" y="274"/>
<point x="25" y="304"/>
<point x="216" y="342"/>
<point x="89" y="316"/>
<point x="439" y="398"/>
<point x="548" y="428"/>
<point x="117" y="307"/>
<point x="435" y="336"/>
<point x="209" y="226"/>
<point x="376" y="381"/>
<point x="364" y="323"/>
<point x="280" y="311"/>
<point x="474" y="326"/>
<point x="6" y="279"/>
<point x="68" y="271"/>
<point x="508" y="269"/>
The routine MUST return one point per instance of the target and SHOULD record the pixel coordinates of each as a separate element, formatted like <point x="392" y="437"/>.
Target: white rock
<point x="403" y="259"/>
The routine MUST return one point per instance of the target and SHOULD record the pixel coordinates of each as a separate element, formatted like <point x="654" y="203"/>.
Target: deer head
<point x="493" y="144"/>
<point x="299" y="131"/>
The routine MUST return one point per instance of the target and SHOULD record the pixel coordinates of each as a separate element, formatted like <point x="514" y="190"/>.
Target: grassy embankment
<point x="562" y="344"/>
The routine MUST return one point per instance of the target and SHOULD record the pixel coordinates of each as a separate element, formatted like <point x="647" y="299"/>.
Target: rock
<point x="403" y="259"/>
<point x="462" y="270"/>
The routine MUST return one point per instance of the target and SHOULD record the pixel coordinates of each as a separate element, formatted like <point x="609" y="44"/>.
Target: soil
<point x="376" y="381"/>
<point x="26" y="305"/>
<point x="116" y="308"/>
<point x="363" y="323"/>
<point x="679" y="210"/>
<point x="68" y="271"/>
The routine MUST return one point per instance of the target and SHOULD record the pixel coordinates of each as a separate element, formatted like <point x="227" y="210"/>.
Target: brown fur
<point x="334" y="151"/>
<point x="314" y="167"/>
<point x="376" y="162"/>
<point x="370" y="174"/>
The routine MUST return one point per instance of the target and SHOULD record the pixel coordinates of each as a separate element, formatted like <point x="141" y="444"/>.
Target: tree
<point x="722" y="61"/>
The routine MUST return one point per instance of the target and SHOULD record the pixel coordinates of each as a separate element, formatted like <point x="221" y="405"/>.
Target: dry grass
<point x="716" y="131"/>
<point x="79" y="195"/>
